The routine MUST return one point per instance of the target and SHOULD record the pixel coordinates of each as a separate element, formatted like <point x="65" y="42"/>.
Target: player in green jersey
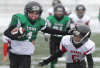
<point x="99" y="17"/>
<point x="58" y="21"/>
<point x="23" y="47"/>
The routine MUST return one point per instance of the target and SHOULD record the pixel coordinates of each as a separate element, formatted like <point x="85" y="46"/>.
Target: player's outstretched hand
<point x="41" y="64"/>
<point x="71" y="31"/>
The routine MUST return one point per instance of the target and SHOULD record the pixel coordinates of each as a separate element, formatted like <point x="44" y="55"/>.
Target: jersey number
<point x="73" y="56"/>
<point x="55" y="27"/>
<point x="29" y="35"/>
<point x="60" y="28"/>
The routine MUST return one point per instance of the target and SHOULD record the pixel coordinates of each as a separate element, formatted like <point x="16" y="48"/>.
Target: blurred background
<point x="10" y="7"/>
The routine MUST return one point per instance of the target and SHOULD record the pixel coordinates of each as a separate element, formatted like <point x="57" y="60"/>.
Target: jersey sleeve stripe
<point x="68" y="24"/>
<point x="87" y="23"/>
<point x="71" y="20"/>
<point x="5" y="49"/>
<point x="63" y="49"/>
<point x="66" y="13"/>
<point x="88" y="51"/>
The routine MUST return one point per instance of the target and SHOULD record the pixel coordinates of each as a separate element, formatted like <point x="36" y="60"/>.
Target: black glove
<point x="41" y="64"/>
<point x="44" y="62"/>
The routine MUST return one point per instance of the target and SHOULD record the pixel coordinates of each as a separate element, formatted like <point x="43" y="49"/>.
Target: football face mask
<point x="80" y="13"/>
<point x="81" y="34"/>
<point x="33" y="14"/>
<point x="59" y="13"/>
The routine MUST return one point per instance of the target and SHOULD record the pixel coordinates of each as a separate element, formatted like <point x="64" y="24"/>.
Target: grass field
<point x="42" y="52"/>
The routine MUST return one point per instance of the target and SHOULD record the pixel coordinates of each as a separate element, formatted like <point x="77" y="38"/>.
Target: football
<point x="20" y="29"/>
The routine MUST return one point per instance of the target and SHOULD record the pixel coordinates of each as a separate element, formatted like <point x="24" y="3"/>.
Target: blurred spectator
<point x="51" y="10"/>
<point x="79" y="18"/>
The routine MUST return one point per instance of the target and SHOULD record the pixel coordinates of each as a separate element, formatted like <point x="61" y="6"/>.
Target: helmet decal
<point x="35" y="8"/>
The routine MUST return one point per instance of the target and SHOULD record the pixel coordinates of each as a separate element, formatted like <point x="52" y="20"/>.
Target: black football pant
<point x="19" y="61"/>
<point x="81" y="64"/>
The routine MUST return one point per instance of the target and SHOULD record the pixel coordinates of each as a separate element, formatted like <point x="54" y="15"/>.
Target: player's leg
<point x="70" y="65"/>
<point x="52" y="51"/>
<point x="57" y="43"/>
<point x="25" y="61"/>
<point x="82" y="64"/>
<point x="13" y="60"/>
<point x="58" y="46"/>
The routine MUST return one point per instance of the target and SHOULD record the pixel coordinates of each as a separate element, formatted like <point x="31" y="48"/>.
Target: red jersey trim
<point x="88" y="51"/>
<point x="63" y="49"/>
<point x="71" y="20"/>
<point x="87" y="23"/>
<point x="66" y="13"/>
<point x="50" y="14"/>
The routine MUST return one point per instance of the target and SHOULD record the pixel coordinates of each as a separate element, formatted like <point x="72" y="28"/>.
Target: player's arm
<point x="13" y="24"/>
<point x="89" y="55"/>
<point x="6" y="41"/>
<point x="54" y="31"/>
<point x="90" y="60"/>
<point x="54" y="56"/>
<point x="68" y="25"/>
<point x="88" y="20"/>
<point x="51" y="58"/>
<point x="5" y="49"/>
<point x="49" y="30"/>
<point x="33" y="42"/>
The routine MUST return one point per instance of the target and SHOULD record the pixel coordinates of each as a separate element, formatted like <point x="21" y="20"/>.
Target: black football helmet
<point x="55" y="2"/>
<point x="59" y="11"/>
<point x="82" y="9"/>
<point x="84" y="32"/>
<point x="33" y="6"/>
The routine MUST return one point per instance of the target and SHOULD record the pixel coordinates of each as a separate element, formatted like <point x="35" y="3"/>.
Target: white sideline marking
<point x="96" y="59"/>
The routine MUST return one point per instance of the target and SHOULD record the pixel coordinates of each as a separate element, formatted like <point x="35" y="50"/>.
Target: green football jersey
<point x="99" y="17"/>
<point x="58" y="25"/>
<point x="21" y="20"/>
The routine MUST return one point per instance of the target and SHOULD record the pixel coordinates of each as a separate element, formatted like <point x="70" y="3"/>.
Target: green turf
<point x="42" y="50"/>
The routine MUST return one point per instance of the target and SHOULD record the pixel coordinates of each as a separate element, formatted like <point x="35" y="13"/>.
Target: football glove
<point x="44" y="62"/>
<point x="41" y="64"/>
